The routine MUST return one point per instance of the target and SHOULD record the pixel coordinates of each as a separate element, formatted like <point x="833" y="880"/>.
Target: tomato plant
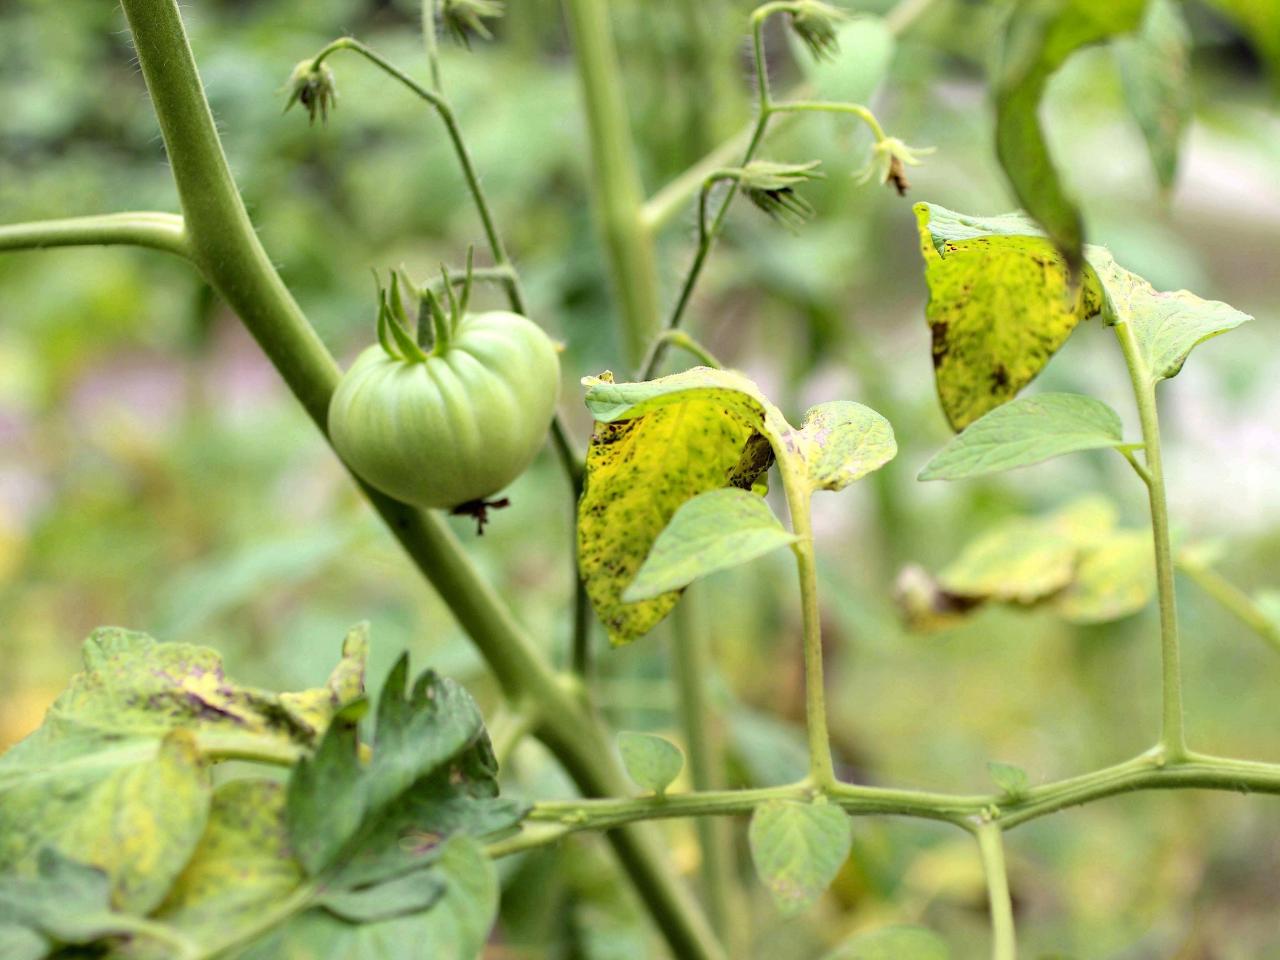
<point x="368" y="818"/>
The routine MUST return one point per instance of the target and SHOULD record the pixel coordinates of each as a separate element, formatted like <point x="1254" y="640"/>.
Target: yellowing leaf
<point x="656" y="445"/>
<point x="1000" y="306"/>
<point x="1115" y="579"/>
<point x="141" y="824"/>
<point x="1019" y="561"/>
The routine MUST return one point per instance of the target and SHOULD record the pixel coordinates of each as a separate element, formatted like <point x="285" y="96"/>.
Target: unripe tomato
<point x="452" y="425"/>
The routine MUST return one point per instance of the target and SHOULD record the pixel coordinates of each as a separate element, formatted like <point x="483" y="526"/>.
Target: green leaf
<point x="455" y="928"/>
<point x="652" y="762"/>
<point x="242" y="865"/>
<point x="866" y="46"/>
<point x="1011" y="779"/>
<point x="798" y="848"/>
<point x="713" y="531"/>
<point x="656" y="445"/>
<point x="141" y="824"/>
<point x="64" y="902"/>
<point x="1018" y="561"/>
<point x="1115" y="579"/>
<point x="1042" y="35"/>
<point x="1167" y="326"/>
<point x="893" y="943"/>
<point x="1025" y="431"/>
<point x="411" y="893"/>
<point x="1000" y="305"/>
<point x="841" y="442"/>
<point x="1155" y="68"/>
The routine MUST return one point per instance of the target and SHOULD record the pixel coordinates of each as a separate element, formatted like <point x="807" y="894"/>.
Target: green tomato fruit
<point x="457" y="426"/>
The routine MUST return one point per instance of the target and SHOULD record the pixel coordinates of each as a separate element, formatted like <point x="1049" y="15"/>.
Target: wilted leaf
<point x="1042" y="35"/>
<point x="1025" y="431"/>
<point x="893" y="943"/>
<point x="841" y="442"/>
<point x="1115" y="579"/>
<point x="1000" y="305"/>
<point x="713" y="531"/>
<point x="652" y="762"/>
<point x="1167" y="326"/>
<point x="798" y="848"/>
<point x="1155" y="67"/>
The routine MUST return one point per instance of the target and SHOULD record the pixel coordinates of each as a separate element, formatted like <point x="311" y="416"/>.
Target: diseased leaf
<point x="131" y="693"/>
<point x="313" y="709"/>
<point x="1042" y="35"/>
<point x="1115" y="579"/>
<point x="1011" y="779"/>
<point x="893" y="943"/>
<point x="1167" y="326"/>
<point x="798" y="848"/>
<point x="1086" y="522"/>
<point x="1025" y="431"/>
<point x="1000" y="305"/>
<point x="713" y="531"/>
<point x="841" y="442"/>
<point x="1018" y="561"/>
<point x="651" y="761"/>
<point x="242" y="864"/>
<point x="1155" y="68"/>
<point x="141" y="824"/>
<point x="656" y="445"/>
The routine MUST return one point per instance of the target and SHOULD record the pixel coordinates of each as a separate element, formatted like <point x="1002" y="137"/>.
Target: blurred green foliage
<point x="154" y="474"/>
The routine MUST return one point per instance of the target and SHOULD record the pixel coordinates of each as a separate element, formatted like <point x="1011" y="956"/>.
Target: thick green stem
<point x="691" y="662"/>
<point x="991" y="847"/>
<point x="1172" y="735"/>
<point x="227" y="250"/>
<point x="617" y="183"/>
<point x="822" y="773"/>
<point x="159" y="231"/>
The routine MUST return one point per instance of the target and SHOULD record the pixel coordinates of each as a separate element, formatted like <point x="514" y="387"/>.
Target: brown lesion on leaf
<point x="999" y="379"/>
<point x="479" y="510"/>
<point x="755" y="460"/>
<point x="940" y="346"/>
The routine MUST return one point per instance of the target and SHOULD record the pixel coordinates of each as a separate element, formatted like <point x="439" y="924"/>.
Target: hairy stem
<point x="159" y="231"/>
<point x="1172" y="734"/>
<point x="227" y="250"/>
<point x="616" y="180"/>
<point x="991" y="847"/>
<point x="822" y="773"/>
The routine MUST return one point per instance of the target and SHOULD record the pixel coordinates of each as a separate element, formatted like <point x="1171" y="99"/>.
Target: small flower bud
<point x="313" y="86"/>
<point x="890" y="158"/>
<point x="771" y="187"/>
<point x="462" y="18"/>
<point x="814" y="22"/>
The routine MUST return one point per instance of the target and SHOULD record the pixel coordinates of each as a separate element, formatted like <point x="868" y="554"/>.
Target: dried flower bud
<point x="463" y="18"/>
<point x="890" y="158"/>
<point x="814" y="22"/>
<point x="313" y="86"/>
<point x="771" y="187"/>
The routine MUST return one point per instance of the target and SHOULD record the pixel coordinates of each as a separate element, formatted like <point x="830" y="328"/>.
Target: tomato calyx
<point x="479" y="510"/>
<point x="435" y="328"/>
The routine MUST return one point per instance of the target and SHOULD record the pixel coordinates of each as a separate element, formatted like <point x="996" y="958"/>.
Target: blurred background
<point x="155" y="474"/>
